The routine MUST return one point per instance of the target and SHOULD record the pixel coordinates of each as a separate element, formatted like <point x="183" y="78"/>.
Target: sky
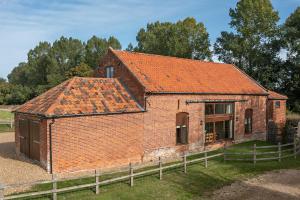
<point x="24" y="23"/>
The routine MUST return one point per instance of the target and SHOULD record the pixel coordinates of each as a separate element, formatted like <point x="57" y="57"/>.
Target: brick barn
<point x="141" y="106"/>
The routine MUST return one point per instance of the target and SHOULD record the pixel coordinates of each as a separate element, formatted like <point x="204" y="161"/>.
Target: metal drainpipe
<point x="50" y="143"/>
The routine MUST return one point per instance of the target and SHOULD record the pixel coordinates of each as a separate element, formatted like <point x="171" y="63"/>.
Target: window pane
<point x="219" y="109"/>
<point x="277" y="104"/>
<point x="209" y="127"/>
<point x="209" y="109"/>
<point x="229" y="109"/>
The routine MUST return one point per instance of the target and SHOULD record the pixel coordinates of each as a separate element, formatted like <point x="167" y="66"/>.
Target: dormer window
<point x="109" y="72"/>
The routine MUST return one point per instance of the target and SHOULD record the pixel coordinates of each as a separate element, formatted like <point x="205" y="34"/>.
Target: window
<point x="248" y="121"/>
<point x="277" y="104"/>
<point x="229" y="108"/>
<point x="182" y="120"/>
<point x="109" y="72"/>
<point x="219" y="108"/>
<point x="209" y="109"/>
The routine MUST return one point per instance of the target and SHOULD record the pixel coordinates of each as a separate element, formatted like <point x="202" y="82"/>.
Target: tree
<point x="291" y="41"/>
<point x="82" y="70"/>
<point x="254" y="45"/>
<point x="186" y="39"/>
<point x="97" y="47"/>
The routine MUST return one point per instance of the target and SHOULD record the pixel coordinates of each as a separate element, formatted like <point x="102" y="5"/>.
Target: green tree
<point x="254" y="44"/>
<point x="291" y="41"/>
<point x="97" y="47"/>
<point x="187" y="39"/>
<point x="82" y="70"/>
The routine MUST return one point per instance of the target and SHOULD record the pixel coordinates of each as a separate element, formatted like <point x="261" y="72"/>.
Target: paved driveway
<point x="14" y="170"/>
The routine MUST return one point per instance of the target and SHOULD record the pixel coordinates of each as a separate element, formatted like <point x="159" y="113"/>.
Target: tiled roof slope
<point x="81" y="96"/>
<point x="275" y="95"/>
<point x="164" y="74"/>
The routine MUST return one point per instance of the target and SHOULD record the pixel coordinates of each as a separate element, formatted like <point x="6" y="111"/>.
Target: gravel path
<point x="14" y="170"/>
<point x="276" y="185"/>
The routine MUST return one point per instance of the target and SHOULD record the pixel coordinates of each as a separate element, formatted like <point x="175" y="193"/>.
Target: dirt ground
<point x="14" y="170"/>
<point x="276" y="185"/>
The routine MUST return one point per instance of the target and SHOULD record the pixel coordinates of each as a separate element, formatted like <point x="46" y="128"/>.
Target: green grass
<point x="198" y="183"/>
<point x="5" y="115"/>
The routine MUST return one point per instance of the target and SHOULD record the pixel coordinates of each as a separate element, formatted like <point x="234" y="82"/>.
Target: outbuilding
<point x="139" y="107"/>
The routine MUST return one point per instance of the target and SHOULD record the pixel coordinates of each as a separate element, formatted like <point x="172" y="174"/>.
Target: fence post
<point x="97" y="174"/>
<point x="160" y="168"/>
<point x="131" y="174"/>
<point x="254" y="154"/>
<point x="224" y="152"/>
<point x="54" y="187"/>
<point x="279" y="152"/>
<point x="11" y="122"/>
<point x="184" y="163"/>
<point x="205" y="154"/>
<point x="295" y="147"/>
<point x="1" y="192"/>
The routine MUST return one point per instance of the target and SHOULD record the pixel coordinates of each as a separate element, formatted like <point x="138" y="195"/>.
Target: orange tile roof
<point x="164" y="74"/>
<point x="81" y="96"/>
<point x="275" y="95"/>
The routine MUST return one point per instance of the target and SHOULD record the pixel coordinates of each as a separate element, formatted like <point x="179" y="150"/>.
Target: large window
<point x="248" y="121"/>
<point x="109" y="72"/>
<point x="218" y="108"/>
<point x="182" y="122"/>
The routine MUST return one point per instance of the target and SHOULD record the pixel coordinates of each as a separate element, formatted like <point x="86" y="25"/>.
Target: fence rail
<point x="159" y="169"/>
<point x="8" y="122"/>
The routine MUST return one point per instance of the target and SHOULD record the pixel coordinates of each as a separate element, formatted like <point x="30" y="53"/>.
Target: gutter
<point x="50" y="145"/>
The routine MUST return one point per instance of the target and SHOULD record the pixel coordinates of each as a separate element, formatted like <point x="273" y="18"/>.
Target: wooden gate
<point x="30" y="139"/>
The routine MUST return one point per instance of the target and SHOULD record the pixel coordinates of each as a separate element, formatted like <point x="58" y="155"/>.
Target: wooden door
<point x="34" y="140"/>
<point x="24" y="136"/>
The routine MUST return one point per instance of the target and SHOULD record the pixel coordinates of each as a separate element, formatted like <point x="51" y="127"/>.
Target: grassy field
<point x="198" y="183"/>
<point x="5" y="115"/>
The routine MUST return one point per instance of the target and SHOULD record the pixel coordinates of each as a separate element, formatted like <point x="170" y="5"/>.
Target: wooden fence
<point x="227" y="155"/>
<point x="8" y="122"/>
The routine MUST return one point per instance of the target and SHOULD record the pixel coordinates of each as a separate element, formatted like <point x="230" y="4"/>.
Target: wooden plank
<point x="205" y="156"/>
<point x="254" y="154"/>
<point x="54" y="187"/>
<point x="131" y="175"/>
<point x="279" y="152"/>
<point x="1" y="192"/>
<point x="261" y="159"/>
<point x="160" y="168"/>
<point x="288" y="144"/>
<point x="266" y="147"/>
<point x="97" y="174"/>
<point x="184" y="163"/>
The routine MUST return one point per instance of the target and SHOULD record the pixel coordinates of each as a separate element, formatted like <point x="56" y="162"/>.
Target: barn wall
<point x="278" y="115"/>
<point x="43" y="136"/>
<point x="97" y="142"/>
<point x="160" y="119"/>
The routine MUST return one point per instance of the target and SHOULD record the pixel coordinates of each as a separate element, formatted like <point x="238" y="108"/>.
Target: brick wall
<point x="278" y="115"/>
<point x="130" y="82"/>
<point x="103" y="141"/>
<point x="160" y="120"/>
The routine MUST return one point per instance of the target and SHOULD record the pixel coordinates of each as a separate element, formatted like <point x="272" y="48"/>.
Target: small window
<point x="248" y="121"/>
<point x="182" y="120"/>
<point x="109" y="72"/>
<point x="277" y="104"/>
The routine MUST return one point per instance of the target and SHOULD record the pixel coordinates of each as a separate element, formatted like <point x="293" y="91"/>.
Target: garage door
<point x="30" y="138"/>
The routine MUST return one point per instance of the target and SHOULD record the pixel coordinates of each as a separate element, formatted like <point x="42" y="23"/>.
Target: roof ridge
<point x="173" y="57"/>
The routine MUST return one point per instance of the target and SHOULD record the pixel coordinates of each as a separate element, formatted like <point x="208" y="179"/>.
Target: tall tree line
<point x="257" y="43"/>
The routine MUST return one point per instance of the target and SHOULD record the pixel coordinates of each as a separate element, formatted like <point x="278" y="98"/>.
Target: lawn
<point x="5" y="116"/>
<point x="198" y="183"/>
